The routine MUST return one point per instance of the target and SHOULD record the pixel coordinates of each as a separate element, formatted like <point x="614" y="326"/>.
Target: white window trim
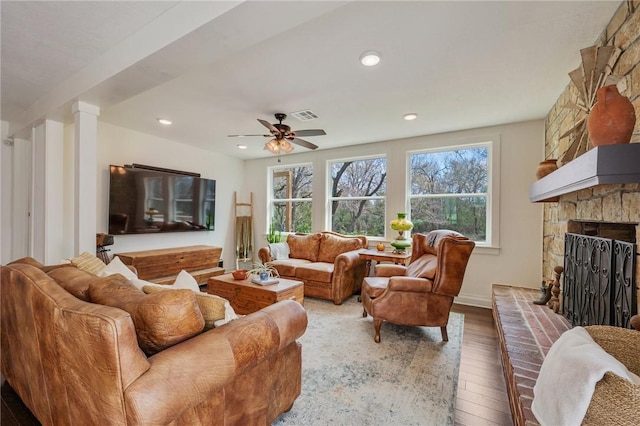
<point x="492" y="142"/>
<point x="328" y="219"/>
<point x="271" y="200"/>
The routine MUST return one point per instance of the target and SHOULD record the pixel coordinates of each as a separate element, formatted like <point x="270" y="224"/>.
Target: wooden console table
<point x="163" y="265"/>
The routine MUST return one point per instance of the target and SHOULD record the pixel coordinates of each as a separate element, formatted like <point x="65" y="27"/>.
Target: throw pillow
<point x="332" y="246"/>
<point x="117" y="267"/>
<point x="213" y="308"/>
<point x="74" y="280"/>
<point x="88" y="262"/>
<point x="279" y="251"/>
<point x="186" y="281"/>
<point x="304" y="246"/>
<point x="161" y="319"/>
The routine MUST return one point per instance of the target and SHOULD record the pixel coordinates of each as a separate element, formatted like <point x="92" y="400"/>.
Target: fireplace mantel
<point x="609" y="164"/>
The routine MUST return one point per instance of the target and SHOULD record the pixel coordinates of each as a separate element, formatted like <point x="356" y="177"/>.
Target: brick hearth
<point x="526" y="332"/>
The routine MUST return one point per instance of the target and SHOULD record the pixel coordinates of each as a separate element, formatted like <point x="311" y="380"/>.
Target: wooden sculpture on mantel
<point x="594" y="73"/>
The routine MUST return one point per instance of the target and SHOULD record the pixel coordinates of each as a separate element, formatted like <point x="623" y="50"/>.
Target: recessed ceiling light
<point x="240" y="146"/>
<point x="410" y="116"/>
<point x="370" y="58"/>
<point x="164" y="121"/>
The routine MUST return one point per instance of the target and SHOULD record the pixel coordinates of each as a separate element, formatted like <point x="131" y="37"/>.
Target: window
<point x="357" y="196"/>
<point x="450" y="189"/>
<point x="291" y="198"/>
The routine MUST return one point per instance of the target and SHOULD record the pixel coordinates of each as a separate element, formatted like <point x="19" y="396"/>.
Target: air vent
<point x="305" y="115"/>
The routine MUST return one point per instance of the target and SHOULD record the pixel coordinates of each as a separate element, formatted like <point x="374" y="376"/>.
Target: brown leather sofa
<point x="327" y="262"/>
<point x="78" y="363"/>
<point x="423" y="292"/>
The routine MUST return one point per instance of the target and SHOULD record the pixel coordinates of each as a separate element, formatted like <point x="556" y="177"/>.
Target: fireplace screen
<point x="599" y="279"/>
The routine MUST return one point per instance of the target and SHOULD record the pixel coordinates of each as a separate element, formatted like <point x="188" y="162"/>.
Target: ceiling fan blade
<point x="242" y="136"/>
<point x="303" y="143"/>
<point x="310" y="132"/>
<point x="269" y="126"/>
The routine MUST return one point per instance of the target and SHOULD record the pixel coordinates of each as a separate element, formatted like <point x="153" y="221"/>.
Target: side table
<point x="384" y="256"/>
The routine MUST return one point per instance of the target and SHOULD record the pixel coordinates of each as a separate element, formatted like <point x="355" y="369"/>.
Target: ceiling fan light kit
<point x="282" y="136"/>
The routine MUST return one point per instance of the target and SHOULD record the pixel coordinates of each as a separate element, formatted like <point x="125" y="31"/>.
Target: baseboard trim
<point x="473" y="300"/>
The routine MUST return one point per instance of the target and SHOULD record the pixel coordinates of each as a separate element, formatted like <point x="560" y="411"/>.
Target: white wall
<point x="119" y="146"/>
<point x="518" y="259"/>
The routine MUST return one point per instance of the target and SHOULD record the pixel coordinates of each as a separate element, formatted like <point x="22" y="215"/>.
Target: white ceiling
<point x="213" y="68"/>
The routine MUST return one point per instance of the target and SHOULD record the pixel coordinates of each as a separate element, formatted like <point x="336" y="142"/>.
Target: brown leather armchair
<point x="422" y="292"/>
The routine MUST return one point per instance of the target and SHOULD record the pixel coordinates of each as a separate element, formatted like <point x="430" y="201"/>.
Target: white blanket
<point x="568" y="377"/>
<point x="279" y="251"/>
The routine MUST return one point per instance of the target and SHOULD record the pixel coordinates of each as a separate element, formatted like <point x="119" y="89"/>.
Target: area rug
<point x="409" y="378"/>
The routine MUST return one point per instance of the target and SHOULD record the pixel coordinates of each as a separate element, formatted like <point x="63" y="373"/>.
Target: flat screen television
<point x="143" y="201"/>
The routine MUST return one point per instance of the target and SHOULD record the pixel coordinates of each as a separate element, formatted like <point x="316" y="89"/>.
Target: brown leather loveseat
<point x="327" y="262"/>
<point x="74" y="362"/>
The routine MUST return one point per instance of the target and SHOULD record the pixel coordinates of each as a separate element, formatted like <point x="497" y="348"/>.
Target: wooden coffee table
<point x="246" y="297"/>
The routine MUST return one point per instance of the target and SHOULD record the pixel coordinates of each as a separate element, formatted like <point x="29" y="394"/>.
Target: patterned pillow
<point x="304" y="246"/>
<point x="88" y="262"/>
<point x="162" y="319"/>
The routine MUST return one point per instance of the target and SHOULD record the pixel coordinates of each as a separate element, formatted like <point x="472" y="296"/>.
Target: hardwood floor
<point x="482" y="395"/>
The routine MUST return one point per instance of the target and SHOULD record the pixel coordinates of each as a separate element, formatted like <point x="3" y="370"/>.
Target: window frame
<point x="270" y="195"/>
<point x="328" y="217"/>
<point x="492" y="243"/>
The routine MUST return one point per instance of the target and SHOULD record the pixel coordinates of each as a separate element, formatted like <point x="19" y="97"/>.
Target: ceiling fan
<point x="282" y="136"/>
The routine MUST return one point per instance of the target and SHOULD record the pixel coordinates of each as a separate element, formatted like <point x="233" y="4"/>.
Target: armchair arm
<point x="264" y="254"/>
<point x="203" y="365"/>
<point x="411" y="284"/>
<point x="390" y="270"/>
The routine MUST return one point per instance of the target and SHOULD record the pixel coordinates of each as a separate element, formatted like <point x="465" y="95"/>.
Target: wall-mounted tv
<point x="150" y="200"/>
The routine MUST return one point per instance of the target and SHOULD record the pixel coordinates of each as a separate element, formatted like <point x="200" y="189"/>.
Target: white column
<point x="86" y="176"/>
<point x="48" y="194"/>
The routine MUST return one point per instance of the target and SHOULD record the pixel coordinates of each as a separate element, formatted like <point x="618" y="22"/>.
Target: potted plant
<point x="264" y="271"/>
<point x="273" y="236"/>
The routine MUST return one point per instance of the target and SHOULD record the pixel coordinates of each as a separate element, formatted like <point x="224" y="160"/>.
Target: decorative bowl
<point x="239" y="274"/>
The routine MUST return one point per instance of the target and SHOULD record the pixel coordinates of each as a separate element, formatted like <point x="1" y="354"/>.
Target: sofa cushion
<point x="287" y="268"/>
<point x="319" y="271"/>
<point x="74" y="280"/>
<point x="304" y="246"/>
<point x="212" y="307"/>
<point x="333" y="245"/>
<point x="423" y="267"/>
<point x="27" y="261"/>
<point x="88" y="262"/>
<point x="161" y="319"/>
<point x="374" y="286"/>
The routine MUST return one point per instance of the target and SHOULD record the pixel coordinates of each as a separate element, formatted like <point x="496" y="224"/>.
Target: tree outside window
<point x="291" y="198"/>
<point x="358" y="190"/>
<point x="450" y="190"/>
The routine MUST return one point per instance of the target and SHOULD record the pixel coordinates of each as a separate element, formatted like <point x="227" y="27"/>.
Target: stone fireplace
<point x="601" y="206"/>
